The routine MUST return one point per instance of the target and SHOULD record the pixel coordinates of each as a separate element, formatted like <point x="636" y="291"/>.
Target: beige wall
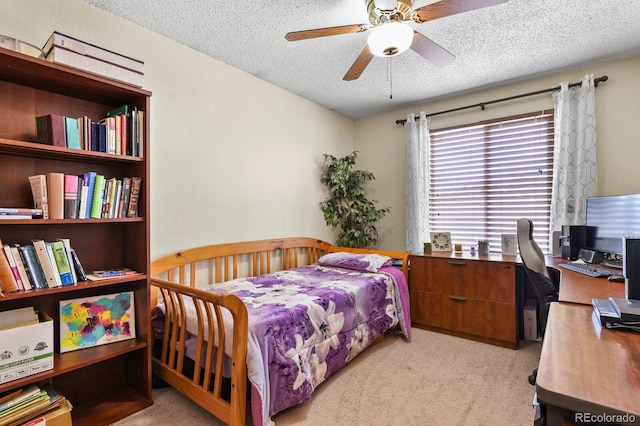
<point x="228" y="162"/>
<point x="381" y="142"/>
<point x="232" y="157"/>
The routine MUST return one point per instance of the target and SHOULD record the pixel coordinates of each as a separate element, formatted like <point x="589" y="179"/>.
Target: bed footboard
<point x="204" y="385"/>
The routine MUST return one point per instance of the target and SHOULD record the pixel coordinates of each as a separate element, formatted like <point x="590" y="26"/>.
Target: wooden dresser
<point x="466" y="295"/>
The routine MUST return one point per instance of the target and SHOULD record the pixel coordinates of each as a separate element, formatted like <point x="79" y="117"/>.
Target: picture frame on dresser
<point x="32" y="88"/>
<point x="441" y="241"/>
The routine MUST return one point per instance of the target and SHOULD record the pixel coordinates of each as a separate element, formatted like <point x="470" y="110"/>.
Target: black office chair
<point x="544" y="284"/>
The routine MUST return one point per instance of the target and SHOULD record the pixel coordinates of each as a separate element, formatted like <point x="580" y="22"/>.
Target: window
<point x="485" y="176"/>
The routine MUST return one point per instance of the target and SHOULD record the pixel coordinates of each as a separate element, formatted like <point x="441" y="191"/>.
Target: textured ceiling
<point x="513" y="41"/>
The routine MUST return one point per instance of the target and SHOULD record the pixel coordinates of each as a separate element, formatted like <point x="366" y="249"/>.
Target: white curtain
<point x="575" y="168"/>
<point x="417" y="175"/>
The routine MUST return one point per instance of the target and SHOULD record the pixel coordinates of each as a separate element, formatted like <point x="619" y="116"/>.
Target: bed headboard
<point x="222" y="262"/>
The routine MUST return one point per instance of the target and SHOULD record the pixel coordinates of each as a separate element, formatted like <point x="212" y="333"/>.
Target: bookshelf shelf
<point x="91" y="379"/>
<point x="34" y="149"/>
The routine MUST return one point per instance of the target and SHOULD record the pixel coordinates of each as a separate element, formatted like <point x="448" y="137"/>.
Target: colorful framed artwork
<point x="441" y="241"/>
<point x="96" y="320"/>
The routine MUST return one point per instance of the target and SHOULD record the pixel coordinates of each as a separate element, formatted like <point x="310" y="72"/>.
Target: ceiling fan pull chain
<point x="390" y="76"/>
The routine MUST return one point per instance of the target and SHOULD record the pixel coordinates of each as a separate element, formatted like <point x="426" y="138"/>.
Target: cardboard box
<point x="530" y="321"/>
<point x="60" y="416"/>
<point x="26" y="350"/>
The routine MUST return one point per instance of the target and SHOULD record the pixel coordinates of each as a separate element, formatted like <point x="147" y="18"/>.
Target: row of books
<point x="121" y="132"/>
<point x="32" y="405"/>
<point x="39" y="265"/>
<point x="89" y="196"/>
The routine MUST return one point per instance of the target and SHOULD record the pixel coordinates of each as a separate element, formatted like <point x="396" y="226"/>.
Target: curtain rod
<point x="483" y="104"/>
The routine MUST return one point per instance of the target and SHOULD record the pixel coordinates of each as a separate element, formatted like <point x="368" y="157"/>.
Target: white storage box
<point x="26" y="350"/>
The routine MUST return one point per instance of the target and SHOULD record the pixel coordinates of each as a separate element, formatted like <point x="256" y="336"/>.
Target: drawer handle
<point x="458" y="298"/>
<point x="457" y="263"/>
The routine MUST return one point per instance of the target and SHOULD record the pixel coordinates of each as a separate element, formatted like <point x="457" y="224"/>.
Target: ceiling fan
<point x="390" y="36"/>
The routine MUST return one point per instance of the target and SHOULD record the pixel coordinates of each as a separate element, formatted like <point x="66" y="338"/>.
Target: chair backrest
<point x="530" y="252"/>
<point x="545" y="288"/>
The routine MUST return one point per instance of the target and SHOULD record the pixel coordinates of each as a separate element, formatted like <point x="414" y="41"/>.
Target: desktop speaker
<point x="590" y="256"/>
<point x="631" y="266"/>
<point x="580" y="236"/>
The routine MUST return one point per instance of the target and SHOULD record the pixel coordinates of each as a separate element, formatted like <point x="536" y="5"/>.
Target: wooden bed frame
<point x="175" y="278"/>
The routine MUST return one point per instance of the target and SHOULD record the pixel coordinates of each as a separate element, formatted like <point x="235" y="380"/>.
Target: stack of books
<point x="70" y="51"/>
<point x="30" y="403"/>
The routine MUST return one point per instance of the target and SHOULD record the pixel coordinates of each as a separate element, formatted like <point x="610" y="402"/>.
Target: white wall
<point x="229" y="161"/>
<point x="381" y="142"/>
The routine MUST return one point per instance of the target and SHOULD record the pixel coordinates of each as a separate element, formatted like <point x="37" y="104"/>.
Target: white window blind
<point x="485" y="176"/>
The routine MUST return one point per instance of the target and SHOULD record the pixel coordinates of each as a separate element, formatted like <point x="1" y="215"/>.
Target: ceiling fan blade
<point x="359" y="65"/>
<point x="445" y="8"/>
<point x="430" y="50"/>
<point x="386" y="4"/>
<point x="324" y="32"/>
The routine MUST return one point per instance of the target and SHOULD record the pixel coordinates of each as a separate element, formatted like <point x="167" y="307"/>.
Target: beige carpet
<point x="433" y="380"/>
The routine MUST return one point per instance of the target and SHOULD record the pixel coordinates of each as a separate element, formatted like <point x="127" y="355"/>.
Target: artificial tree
<point x="347" y="208"/>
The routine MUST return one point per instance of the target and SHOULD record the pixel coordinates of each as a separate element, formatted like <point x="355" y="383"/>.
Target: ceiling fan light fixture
<point x="390" y="39"/>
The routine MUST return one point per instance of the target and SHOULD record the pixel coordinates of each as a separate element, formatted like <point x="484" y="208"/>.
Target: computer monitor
<point x="614" y="217"/>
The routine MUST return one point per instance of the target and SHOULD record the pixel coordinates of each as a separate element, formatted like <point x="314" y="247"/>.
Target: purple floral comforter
<point x="306" y="323"/>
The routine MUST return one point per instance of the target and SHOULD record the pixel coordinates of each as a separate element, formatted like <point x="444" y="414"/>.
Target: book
<point x="38" y="185"/>
<point x="110" y="273"/>
<point x="132" y="209"/>
<point x="54" y="264"/>
<point x="102" y="137"/>
<point x="62" y="263"/>
<point x="8" y="282"/>
<point x="86" y="197"/>
<point x="55" y="195"/>
<point x="70" y="196"/>
<point x="80" y="273"/>
<point x="51" y="130"/>
<point x="92" y="51"/>
<point x="93" y="138"/>
<point x="34" y="269"/>
<point x="124" y="201"/>
<point x="115" y="203"/>
<point x="22" y="268"/>
<point x="72" y="133"/>
<point x="60" y="55"/>
<point x="30" y="213"/>
<point x="67" y="248"/>
<point x="98" y="192"/>
<point x="8" y="216"/>
<point x="48" y="270"/>
<point x="13" y="265"/>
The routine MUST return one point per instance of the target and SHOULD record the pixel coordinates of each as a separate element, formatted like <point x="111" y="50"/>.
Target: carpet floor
<point x="434" y="379"/>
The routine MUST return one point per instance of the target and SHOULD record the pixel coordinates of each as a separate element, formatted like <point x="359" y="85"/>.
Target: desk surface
<point x="586" y="368"/>
<point x="579" y="288"/>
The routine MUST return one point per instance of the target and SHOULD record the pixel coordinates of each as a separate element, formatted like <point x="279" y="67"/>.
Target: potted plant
<point x="347" y="208"/>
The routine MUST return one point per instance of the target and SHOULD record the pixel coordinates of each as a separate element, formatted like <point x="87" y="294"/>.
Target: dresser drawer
<point x="464" y="316"/>
<point x="475" y="279"/>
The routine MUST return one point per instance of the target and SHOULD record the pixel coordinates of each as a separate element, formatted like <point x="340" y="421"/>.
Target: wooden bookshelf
<point x="109" y="382"/>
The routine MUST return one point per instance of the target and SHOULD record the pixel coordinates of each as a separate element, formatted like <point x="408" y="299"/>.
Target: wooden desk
<point x="579" y="288"/>
<point x="585" y="368"/>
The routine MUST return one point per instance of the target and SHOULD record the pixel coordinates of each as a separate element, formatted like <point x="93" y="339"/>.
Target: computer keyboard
<point x="585" y="269"/>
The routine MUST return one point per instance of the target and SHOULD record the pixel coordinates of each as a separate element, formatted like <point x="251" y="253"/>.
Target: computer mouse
<point x="616" y="278"/>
